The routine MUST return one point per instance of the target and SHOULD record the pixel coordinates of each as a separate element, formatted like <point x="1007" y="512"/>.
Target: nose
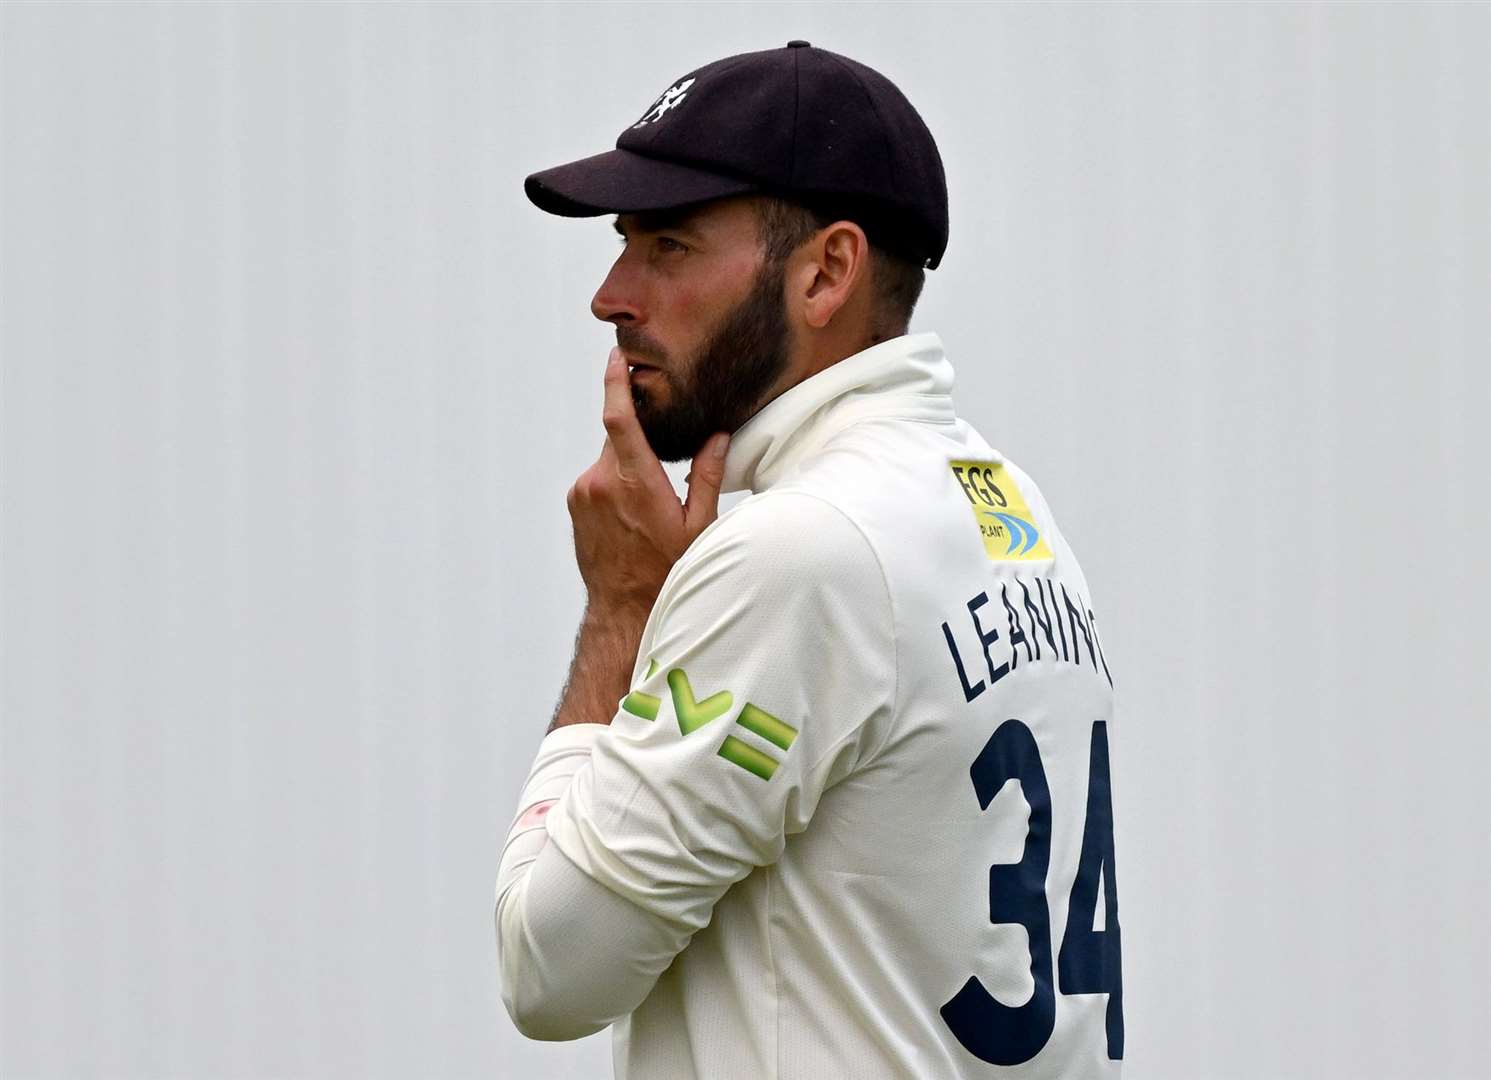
<point x="618" y="300"/>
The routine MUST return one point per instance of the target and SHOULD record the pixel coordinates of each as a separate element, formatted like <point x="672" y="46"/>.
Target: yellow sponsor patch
<point x="1004" y="521"/>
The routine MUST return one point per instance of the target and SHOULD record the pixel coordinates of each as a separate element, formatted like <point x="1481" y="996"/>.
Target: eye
<point x="675" y="245"/>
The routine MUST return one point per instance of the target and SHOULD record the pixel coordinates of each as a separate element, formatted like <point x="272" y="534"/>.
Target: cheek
<point x="686" y="305"/>
<point x="679" y="322"/>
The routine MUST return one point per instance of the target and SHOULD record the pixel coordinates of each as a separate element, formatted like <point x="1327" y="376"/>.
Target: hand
<point x="629" y="526"/>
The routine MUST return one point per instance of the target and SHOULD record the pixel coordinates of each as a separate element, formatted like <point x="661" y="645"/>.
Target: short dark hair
<point x="785" y="222"/>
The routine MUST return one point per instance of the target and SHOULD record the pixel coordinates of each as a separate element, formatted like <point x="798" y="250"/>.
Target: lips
<point x="632" y="356"/>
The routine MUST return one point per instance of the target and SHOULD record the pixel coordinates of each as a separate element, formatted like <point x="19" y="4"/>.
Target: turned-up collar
<point x="907" y="377"/>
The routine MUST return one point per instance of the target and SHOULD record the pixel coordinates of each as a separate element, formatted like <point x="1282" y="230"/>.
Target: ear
<point x="837" y="259"/>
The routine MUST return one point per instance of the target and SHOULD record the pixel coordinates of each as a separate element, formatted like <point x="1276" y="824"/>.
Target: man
<point x="827" y="791"/>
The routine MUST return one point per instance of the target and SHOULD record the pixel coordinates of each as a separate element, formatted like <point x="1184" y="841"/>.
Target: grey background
<point x="295" y="380"/>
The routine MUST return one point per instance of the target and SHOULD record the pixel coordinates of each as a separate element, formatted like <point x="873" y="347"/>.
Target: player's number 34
<point x="1090" y="959"/>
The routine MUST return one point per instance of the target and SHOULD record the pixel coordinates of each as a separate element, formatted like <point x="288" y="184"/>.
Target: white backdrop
<point x="295" y="380"/>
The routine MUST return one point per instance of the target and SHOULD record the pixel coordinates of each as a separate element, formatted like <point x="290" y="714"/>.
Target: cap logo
<point x="669" y="99"/>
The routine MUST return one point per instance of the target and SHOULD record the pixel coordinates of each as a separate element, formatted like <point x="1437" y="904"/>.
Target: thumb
<point x="706" y="474"/>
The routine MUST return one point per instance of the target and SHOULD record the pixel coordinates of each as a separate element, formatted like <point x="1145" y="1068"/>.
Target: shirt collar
<point x="907" y="377"/>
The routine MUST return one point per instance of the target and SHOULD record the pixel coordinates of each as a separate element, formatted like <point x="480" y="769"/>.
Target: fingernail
<point x="721" y="445"/>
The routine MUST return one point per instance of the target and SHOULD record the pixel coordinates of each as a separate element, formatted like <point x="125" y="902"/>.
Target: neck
<point x="817" y="350"/>
<point x="907" y="376"/>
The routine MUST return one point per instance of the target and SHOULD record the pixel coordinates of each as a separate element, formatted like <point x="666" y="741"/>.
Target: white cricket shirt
<point x="854" y="815"/>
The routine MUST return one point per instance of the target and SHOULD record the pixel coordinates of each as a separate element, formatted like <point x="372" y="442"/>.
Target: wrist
<point x="605" y="653"/>
<point x="616" y="615"/>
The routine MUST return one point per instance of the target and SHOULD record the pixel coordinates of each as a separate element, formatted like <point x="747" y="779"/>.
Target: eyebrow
<point x="656" y="221"/>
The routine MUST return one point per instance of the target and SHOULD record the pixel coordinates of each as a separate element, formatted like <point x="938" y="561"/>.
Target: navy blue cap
<point x="799" y="121"/>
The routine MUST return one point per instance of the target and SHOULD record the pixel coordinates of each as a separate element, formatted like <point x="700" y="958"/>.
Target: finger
<point x="706" y="475"/>
<point x="634" y="456"/>
<point x="610" y="463"/>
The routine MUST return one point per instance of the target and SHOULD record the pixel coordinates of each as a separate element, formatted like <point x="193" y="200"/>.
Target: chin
<point x="670" y="449"/>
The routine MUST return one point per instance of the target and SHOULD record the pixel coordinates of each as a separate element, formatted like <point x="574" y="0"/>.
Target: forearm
<point x="605" y="652"/>
<point x="601" y="671"/>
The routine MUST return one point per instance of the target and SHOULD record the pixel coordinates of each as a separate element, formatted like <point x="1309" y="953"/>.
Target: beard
<point x="741" y="358"/>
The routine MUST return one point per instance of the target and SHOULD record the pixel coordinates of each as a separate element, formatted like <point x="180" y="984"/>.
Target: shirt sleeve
<point x="573" y="955"/>
<point x="768" y="675"/>
<point x="556" y="980"/>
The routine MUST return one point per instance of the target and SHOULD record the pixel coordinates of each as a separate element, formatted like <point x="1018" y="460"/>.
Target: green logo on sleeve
<point x="694" y="714"/>
<point x="767" y="726"/>
<point x="640" y="704"/>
